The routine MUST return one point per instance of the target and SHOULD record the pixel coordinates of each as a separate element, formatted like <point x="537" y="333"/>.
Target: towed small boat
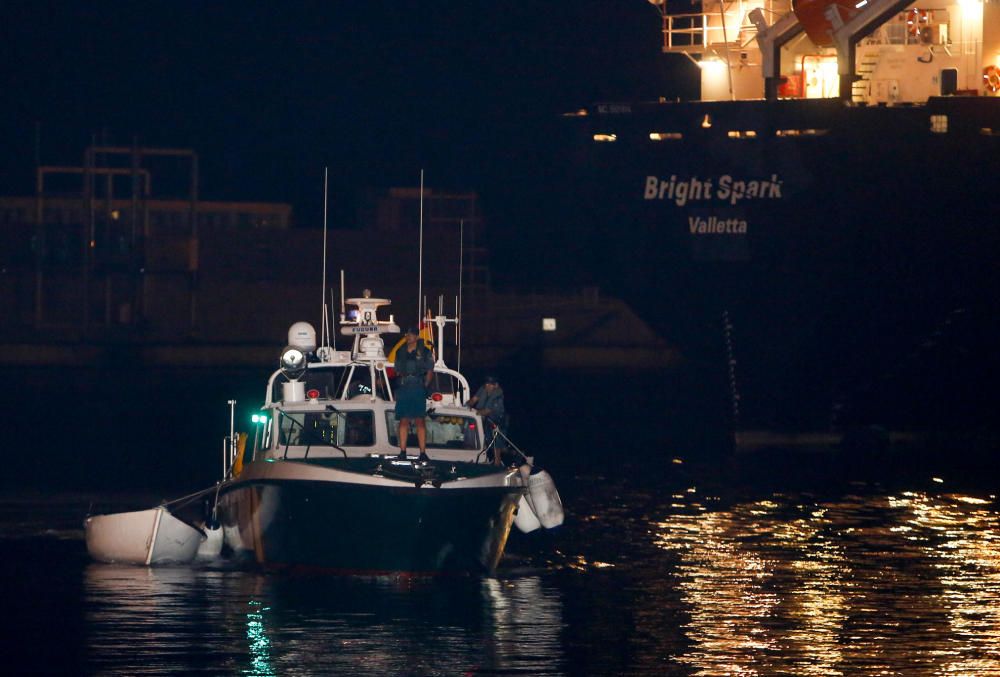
<point x="151" y="536"/>
<point x="320" y="483"/>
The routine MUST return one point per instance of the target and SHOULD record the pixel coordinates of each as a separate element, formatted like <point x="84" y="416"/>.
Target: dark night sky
<point x="267" y="95"/>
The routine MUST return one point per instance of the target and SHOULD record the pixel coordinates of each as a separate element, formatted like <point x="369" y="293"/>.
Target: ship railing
<point x="696" y="32"/>
<point x="929" y="27"/>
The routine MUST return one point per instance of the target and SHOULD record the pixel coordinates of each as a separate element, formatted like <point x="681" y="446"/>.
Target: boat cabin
<point x="324" y="402"/>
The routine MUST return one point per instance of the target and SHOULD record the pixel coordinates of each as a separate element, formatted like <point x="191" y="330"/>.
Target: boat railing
<point x="324" y="381"/>
<point x="456" y="394"/>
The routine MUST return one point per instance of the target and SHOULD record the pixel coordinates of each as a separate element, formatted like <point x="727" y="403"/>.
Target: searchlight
<point x="293" y="362"/>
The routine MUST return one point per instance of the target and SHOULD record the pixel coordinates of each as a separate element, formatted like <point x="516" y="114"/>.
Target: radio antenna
<point x="343" y="308"/>
<point x="325" y="332"/>
<point x="458" y="301"/>
<point x="420" y="264"/>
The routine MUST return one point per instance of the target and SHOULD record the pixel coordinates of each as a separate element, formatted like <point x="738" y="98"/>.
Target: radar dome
<point x="301" y="335"/>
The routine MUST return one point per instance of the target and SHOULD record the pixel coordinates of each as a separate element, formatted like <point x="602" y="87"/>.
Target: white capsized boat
<point x="151" y="536"/>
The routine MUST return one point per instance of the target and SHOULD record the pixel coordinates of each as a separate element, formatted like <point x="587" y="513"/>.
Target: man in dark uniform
<point x="415" y="369"/>
<point x="488" y="403"/>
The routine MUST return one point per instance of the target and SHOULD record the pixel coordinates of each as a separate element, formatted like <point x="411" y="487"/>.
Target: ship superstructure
<point x="865" y="51"/>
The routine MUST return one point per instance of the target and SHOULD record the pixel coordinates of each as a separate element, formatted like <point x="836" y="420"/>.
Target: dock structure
<point x="100" y="267"/>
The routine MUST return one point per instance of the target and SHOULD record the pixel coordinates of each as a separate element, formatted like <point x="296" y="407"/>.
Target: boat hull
<point x="346" y="527"/>
<point x="146" y="537"/>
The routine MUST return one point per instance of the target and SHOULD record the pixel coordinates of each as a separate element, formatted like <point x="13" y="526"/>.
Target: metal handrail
<point x="703" y="29"/>
<point x="697" y="23"/>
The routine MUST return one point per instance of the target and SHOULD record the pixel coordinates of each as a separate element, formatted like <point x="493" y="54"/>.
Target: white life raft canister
<point x="541" y="505"/>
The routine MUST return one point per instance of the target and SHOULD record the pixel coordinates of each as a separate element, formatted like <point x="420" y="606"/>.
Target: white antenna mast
<point x="343" y="306"/>
<point x="325" y="332"/>
<point x="458" y="302"/>
<point x="333" y="332"/>
<point x="420" y="265"/>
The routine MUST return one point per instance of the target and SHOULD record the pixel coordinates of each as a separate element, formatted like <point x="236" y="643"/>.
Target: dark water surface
<point x="795" y="564"/>
<point x="638" y="581"/>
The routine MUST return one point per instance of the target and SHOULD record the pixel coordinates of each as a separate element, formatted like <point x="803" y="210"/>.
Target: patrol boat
<point x="321" y="484"/>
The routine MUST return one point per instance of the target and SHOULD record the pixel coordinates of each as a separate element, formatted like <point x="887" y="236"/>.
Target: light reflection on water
<point x="905" y="584"/>
<point x="638" y="581"/>
<point x="178" y="620"/>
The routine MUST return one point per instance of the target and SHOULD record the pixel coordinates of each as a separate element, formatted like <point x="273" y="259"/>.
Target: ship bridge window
<point x="444" y="431"/>
<point x="742" y="134"/>
<point x="665" y="136"/>
<point x="939" y="124"/>
<point x="326" y="429"/>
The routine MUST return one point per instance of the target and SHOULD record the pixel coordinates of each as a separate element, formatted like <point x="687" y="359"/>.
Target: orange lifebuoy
<point x="991" y="78"/>
<point x="916" y="20"/>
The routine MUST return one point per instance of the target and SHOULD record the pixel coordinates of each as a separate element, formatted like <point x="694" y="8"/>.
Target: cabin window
<point x="327" y="429"/>
<point x="358" y="428"/>
<point x="443" y="432"/>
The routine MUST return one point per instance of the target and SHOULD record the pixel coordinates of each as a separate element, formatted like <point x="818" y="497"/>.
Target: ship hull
<point x="368" y="528"/>
<point x="822" y="264"/>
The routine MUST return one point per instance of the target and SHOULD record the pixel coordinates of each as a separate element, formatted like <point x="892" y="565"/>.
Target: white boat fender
<point x="211" y="547"/>
<point x="542" y="498"/>
<point x="525" y="520"/>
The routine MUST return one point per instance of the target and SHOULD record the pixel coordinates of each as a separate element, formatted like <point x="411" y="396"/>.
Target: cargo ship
<point x="818" y="233"/>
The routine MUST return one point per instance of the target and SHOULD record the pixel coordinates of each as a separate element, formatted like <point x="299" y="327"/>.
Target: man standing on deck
<point x="488" y="403"/>
<point x="415" y="368"/>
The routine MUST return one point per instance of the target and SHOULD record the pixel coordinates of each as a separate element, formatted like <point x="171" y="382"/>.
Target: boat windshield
<point x="365" y="381"/>
<point x="444" y="431"/>
<point x="347" y="381"/>
<point x="326" y="383"/>
<point x="317" y="429"/>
